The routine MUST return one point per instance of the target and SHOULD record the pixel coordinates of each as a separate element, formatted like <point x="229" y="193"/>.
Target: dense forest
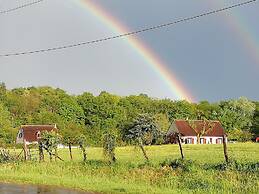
<point x="95" y="116"/>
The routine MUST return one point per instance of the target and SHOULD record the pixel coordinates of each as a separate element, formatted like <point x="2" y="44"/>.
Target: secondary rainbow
<point x="146" y="53"/>
<point x="241" y="29"/>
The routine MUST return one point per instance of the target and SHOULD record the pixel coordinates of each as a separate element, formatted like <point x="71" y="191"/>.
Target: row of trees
<point x="95" y="116"/>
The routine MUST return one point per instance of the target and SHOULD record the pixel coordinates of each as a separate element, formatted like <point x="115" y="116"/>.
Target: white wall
<point x="214" y="139"/>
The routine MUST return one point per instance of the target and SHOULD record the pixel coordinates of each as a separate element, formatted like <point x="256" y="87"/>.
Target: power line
<point x="130" y="33"/>
<point x="20" y="7"/>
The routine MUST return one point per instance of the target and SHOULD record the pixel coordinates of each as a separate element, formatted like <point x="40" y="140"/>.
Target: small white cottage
<point x="31" y="133"/>
<point x="209" y="132"/>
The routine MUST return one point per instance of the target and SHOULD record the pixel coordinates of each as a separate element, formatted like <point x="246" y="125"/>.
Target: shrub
<point x="238" y="166"/>
<point x="182" y="164"/>
<point x="6" y="157"/>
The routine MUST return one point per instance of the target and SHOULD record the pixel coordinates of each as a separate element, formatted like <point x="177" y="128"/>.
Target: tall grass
<point x="132" y="174"/>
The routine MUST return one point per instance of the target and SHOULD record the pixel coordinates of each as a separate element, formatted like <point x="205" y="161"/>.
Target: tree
<point x="70" y="134"/>
<point x="50" y="141"/>
<point x="182" y="110"/>
<point x="255" y="126"/>
<point x="205" y="110"/>
<point x="7" y="133"/>
<point x="81" y="140"/>
<point x="201" y="127"/>
<point x="137" y="131"/>
<point x="109" y="144"/>
<point x="240" y="135"/>
<point x="237" y="114"/>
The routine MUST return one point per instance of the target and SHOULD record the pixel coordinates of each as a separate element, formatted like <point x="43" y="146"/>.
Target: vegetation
<point x="81" y="140"/>
<point x="203" y="170"/>
<point x="109" y="143"/>
<point x="95" y="116"/>
<point x="107" y="121"/>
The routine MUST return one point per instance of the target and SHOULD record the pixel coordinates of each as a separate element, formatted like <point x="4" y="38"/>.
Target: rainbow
<point x="177" y="88"/>
<point x="242" y="30"/>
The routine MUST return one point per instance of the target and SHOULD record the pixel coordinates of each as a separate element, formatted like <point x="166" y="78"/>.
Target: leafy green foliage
<point x="180" y="164"/>
<point x="142" y="131"/>
<point x="142" y="127"/>
<point x="237" y="114"/>
<point x="6" y="156"/>
<point x="255" y="127"/>
<point x="94" y="116"/>
<point x="238" y="166"/>
<point x="50" y="141"/>
<point x="240" y="135"/>
<point x="81" y="140"/>
<point x="7" y="133"/>
<point x="109" y="144"/>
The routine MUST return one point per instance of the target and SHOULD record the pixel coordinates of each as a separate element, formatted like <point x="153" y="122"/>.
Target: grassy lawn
<point x="131" y="174"/>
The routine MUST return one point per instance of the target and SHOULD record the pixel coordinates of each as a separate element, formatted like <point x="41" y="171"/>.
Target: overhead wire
<point x="20" y="7"/>
<point x="132" y="32"/>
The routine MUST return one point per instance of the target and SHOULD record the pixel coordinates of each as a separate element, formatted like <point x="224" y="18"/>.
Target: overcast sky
<point x="210" y="56"/>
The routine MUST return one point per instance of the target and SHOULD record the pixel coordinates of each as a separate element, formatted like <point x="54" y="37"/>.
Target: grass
<point x="131" y="174"/>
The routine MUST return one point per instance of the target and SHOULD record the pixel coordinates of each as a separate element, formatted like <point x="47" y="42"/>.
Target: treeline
<point x="94" y="116"/>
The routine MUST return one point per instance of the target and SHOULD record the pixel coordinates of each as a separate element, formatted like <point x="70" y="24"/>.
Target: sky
<point x="214" y="58"/>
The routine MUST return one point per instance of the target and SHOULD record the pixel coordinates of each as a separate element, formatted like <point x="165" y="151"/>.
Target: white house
<point x="210" y="132"/>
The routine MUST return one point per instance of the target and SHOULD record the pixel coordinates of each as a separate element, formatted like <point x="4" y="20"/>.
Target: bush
<point x="6" y="157"/>
<point x="240" y="135"/>
<point x="235" y="165"/>
<point x="182" y="164"/>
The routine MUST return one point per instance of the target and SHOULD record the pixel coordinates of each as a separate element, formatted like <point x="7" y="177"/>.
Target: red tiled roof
<point x="186" y="127"/>
<point x="30" y="131"/>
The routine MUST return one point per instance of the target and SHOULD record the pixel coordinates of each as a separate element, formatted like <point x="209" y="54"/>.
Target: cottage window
<point x="38" y="134"/>
<point x="219" y="140"/>
<point x="188" y="141"/>
<point x="20" y="135"/>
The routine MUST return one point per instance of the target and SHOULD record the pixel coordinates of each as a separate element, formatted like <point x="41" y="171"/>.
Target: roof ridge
<point x="196" y="120"/>
<point x="53" y="125"/>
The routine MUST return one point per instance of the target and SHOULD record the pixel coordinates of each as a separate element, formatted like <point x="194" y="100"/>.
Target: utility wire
<point x="20" y="7"/>
<point x="132" y="32"/>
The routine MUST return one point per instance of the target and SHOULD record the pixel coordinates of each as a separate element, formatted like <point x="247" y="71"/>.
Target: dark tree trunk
<point x="70" y="151"/>
<point x="180" y="145"/>
<point x="84" y="153"/>
<point x="225" y="148"/>
<point x="113" y="159"/>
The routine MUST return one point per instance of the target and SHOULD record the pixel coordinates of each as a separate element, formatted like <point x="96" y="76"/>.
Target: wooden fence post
<point x="225" y="148"/>
<point x="25" y="151"/>
<point x="180" y="145"/>
<point x="41" y="154"/>
<point x="70" y="151"/>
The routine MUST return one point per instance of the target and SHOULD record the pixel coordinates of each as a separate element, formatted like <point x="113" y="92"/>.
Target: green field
<point x="131" y="174"/>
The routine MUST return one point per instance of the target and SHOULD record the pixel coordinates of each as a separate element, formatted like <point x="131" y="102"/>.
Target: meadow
<point x="132" y="174"/>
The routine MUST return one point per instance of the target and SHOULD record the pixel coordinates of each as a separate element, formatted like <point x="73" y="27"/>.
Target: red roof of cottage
<point x="191" y="128"/>
<point x="30" y="131"/>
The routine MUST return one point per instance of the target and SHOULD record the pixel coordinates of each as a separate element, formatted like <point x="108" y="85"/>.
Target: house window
<point x="219" y="141"/>
<point x="210" y="140"/>
<point x="38" y="134"/>
<point x="20" y="135"/>
<point x="188" y="141"/>
<point x="201" y="140"/>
